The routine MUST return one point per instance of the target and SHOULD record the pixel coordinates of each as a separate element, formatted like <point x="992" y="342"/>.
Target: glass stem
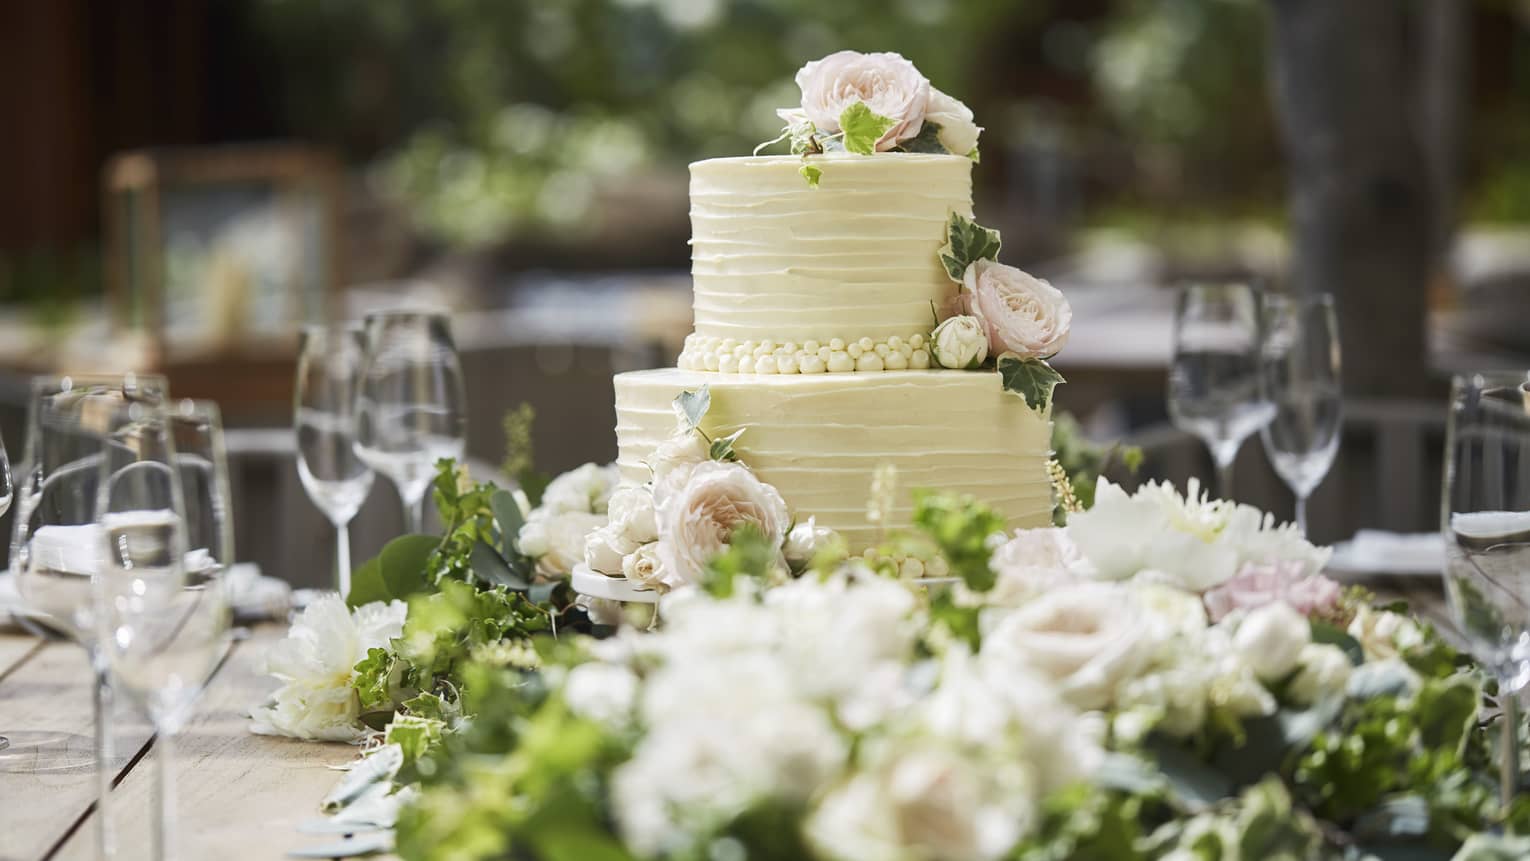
<point x="1509" y="774"/>
<point x="105" y="761"/>
<point x="1225" y="479"/>
<point x="1301" y="514"/>
<point x="414" y="514"/>
<point x="164" y="796"/>
<point x="343" y="559"/>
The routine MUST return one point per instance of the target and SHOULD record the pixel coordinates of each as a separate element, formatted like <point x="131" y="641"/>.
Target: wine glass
<point x="202" y="459"/>
<point x="1486" y="521"/>
<point x="5" y="505"/>
<point x="411" y="408"/>
<point x="162" y="626"/>
<point x="1214" y="390"/>
<point x="1300" y="373"/>
<point x="330" y="361"/>
<point x="55" y="543"/>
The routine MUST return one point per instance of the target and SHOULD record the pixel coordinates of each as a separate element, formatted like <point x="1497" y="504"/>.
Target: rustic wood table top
<point x="240" y="797"/>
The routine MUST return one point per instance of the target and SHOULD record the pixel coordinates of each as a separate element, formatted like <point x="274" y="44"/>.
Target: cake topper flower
<point x="871" y="103"/>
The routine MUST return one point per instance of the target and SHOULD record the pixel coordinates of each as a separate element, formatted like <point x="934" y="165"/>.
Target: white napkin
<point x="1374" y="551"/>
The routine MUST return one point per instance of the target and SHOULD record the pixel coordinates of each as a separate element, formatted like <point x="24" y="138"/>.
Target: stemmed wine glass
<point x="411" y="407"/>
<point x="5" y="505"/>
<point x="162" y="626"/>
<point x="55" y="545"/>
<point x="1486" y="520"/>
<point x="1214" y="390"/>
<point x="1300" y="373"/>
<point x="197" y="431"/>
<point x="330" y="361"/>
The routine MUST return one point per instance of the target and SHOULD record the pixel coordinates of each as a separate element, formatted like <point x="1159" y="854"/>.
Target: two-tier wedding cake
<point x="851" y="320"/>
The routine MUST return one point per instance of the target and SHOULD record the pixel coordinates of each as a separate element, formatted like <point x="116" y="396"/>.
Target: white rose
<point x="886" y="83"/>
<point x="960" y="342"/>
<point x="696" y="520"/>
<point x="1270" y="640"/>
<point x="672" y="461"/>
<point x="1180" y="611"/>
<point x="605" y="693"/>
<point x="958" y="133"/>
<point x="316" y="662"/>
<point x="1022" y="314"/>
<point x="641" y="566"/>
<point x="606" y="547"/>
<point x="1325" y="670"/>
<point x="805" y="540"/>
<point x="586" y="488"/>
<point x="927" y="803"/>
<point x="556" y="541"/>
<point x="631" y="508"/>
<point x="1384" y="634"/>
<point x="1031" y="562"/>
<point x="1086" y="637"/>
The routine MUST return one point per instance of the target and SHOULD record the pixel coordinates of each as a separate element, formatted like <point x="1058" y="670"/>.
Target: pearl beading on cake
<point x="834" y="356"/>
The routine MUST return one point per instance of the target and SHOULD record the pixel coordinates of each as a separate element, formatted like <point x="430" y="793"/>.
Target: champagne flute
<point x="1300" y="373"/>
<point x="1486" y="520"/>
<point x="411" y="406"/>
<point x="162" y="628"/>
<point x="1214" y="390"/>
<point x="330" y="361"/>
<point x="55" y="543"/>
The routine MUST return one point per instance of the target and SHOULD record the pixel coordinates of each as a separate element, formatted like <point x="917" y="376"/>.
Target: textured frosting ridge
<point x="819" y="438"/>
<point x="774" y="259"/>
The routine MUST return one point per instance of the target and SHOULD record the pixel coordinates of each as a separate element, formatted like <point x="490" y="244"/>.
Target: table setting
<point x="835" y="599"/>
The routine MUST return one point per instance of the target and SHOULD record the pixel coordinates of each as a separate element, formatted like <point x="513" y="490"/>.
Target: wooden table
<point x="240" y="796"/>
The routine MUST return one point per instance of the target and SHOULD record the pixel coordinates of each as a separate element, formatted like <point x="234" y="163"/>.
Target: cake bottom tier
<point x="820" y="438"/>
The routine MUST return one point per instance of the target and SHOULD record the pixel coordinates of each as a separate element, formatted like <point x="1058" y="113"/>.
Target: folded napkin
<point x="1373" y="551"/>
<point x="256" y="597"/>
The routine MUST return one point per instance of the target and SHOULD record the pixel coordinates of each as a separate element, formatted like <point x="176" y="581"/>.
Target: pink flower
<point x="1258" y="584"/>
<point x="1022" y="314"/>
<point x="888" y="84"/>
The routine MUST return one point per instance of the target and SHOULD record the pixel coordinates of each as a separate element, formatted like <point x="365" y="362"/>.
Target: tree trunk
<point x="1366" y="213"/>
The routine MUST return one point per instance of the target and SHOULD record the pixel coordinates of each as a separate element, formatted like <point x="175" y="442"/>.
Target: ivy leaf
<point x="722" y="447"/>
<point x="371" y="682"/>
<point x="1032" y="379"/>
<point x="862" y="128"/>
<point x="812" y="174"/>
<point x="690" y="407"/>
<point x="967" y="242"/>
<point x="927" y="141"/>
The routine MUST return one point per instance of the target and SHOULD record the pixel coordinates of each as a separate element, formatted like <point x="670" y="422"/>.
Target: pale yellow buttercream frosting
<point x="775" y="260"/>
<point x="819" y="438"/>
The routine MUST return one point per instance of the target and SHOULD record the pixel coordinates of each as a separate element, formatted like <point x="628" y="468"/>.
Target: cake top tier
<point x="775" y="260"/>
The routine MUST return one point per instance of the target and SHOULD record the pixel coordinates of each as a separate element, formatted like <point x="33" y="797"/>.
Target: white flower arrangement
<point x="315" y="664"/>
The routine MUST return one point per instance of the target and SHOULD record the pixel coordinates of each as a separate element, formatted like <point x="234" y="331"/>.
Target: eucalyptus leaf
<point x="541" y="593"/>
<point x="376" y="768"/>
<point x="1403" y="817"/>
<point x="396" y="573"/>
<point x="1032" y="379"/>
<point x="862" y="128"/>
<point x="509" y="516"/>
<point x="1193" y="783"/>
<point x="491" y="568"/>
<point x="1327" y="633"/>
<point x="966" y="243"/>
<point x="691" y="407"/>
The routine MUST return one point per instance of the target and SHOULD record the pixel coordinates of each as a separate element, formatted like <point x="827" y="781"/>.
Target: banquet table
<point x="241" y="797"/>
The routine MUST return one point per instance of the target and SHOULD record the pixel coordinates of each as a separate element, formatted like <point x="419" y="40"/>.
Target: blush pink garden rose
<point x="697" y="519"/>
<point x="1256" y="585"/>
<point x="888" y="84"/>
<point x="1023" y="315"/>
